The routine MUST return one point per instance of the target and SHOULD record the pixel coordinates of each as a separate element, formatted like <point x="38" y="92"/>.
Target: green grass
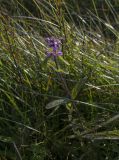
<point x="64" y="109"/>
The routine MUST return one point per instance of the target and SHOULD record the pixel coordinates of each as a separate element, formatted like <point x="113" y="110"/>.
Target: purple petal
<point x="60" y="53"/>
<point x="55" y="48"/>
<point x="49" y="54"/>
<point x="53" y="42"/>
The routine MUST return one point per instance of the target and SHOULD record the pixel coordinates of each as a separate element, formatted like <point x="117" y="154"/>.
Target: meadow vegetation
<point x="63" y="107"/>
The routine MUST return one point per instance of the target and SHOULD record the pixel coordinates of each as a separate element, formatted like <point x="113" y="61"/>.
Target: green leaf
<point x="56" y="103"/>
<point x="6" y="139"/>
<point x="64" y="61"/>
<point x="75" y="90"/>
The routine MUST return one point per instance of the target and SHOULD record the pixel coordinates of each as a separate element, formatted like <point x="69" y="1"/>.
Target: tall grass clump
<point x="59" y="85"/>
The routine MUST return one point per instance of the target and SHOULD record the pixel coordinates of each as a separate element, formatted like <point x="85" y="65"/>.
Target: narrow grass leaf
<point x="56" y="103"/>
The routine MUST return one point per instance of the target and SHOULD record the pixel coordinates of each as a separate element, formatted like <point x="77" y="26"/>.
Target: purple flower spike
<point x="55" y="45"/>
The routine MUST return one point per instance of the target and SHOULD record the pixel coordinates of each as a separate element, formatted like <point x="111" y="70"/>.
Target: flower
<point x="54" y="45"/>
<point x="59" y="53"/>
